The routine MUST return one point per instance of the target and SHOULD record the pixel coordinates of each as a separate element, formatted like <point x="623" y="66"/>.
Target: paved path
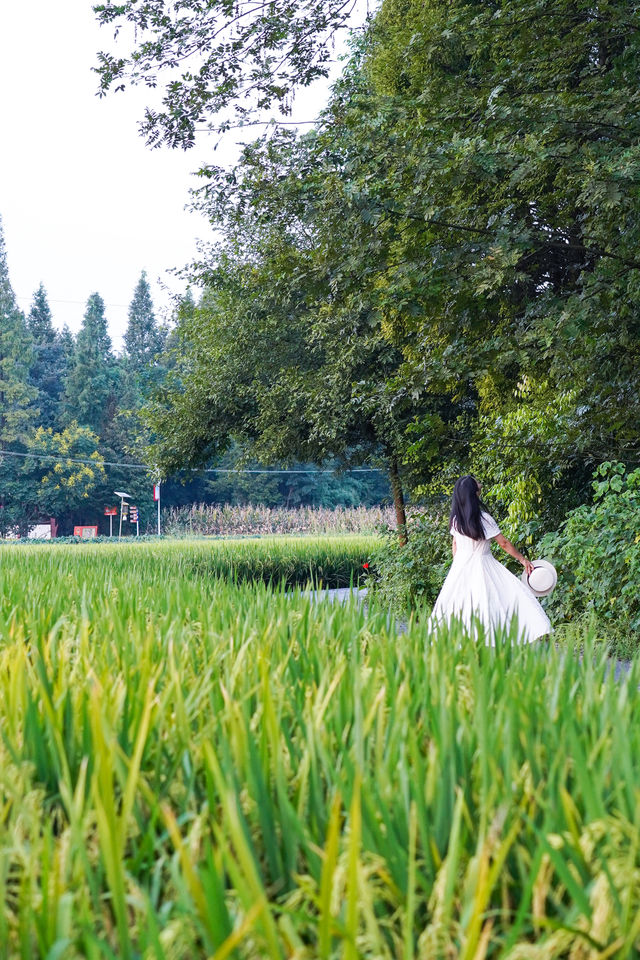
<point x="341" y="594"/>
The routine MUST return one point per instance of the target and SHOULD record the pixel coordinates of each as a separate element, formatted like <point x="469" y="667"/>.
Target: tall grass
<point x="191" y="768"/>
<point x="258" y="520"/>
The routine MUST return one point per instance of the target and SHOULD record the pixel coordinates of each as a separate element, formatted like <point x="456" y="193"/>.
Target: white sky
<point x="86" y="205"/>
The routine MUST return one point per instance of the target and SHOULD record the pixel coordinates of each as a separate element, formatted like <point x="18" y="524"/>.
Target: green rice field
<point x="195" y="765"/>
<point x="334" y="561"/>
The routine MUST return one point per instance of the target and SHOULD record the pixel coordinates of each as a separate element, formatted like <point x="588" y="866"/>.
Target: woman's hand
<point x="528" y="566"/>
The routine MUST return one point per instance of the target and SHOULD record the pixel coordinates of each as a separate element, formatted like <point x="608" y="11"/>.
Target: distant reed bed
<point x="195" y="769"/>
<point x="226" y="520"/>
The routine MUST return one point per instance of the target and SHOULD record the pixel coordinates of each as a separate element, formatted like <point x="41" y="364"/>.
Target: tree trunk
<point x="398" y="501"/>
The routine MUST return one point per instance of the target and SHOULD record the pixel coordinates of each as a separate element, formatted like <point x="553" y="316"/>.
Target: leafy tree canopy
<point x="469" y="201"/>
<point x="509" y="161"/>
<point x="64" y="484"/>
<point x="215" y="55"/>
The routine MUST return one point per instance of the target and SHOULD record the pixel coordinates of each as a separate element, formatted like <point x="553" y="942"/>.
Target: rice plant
<point x="191" y="767"/>
<point x="333" y="561"/>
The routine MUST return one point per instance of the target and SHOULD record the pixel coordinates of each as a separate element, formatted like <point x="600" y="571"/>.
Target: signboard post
<point x="85" y="532"/>
<point x="134" y="518"/>
<point x="111" y="512"/>
<point x="156" y="497"/>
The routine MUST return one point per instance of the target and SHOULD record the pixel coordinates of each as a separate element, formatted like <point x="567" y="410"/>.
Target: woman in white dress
<point x="477" y="586"/>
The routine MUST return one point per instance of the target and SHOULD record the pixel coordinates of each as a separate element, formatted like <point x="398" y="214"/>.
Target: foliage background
<point x="597" y="552"/>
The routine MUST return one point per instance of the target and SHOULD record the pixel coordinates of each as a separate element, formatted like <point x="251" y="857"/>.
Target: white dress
<point x="478" y="586"/>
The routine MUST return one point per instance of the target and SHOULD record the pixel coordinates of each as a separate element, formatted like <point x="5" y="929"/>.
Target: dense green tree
<point x="259" y="366"/>
<point x="473" y="186"/>
<point x="49" y="367"/>
<point x="124" y="435"/>
<point x="63" y="484"/>
<point x="467" y="202"/>
<point x="441" y="276"/>
<point x="92" y="398"/>
<point x="289" y="349"/>
<point x="17" y="403"/>
<point x="91" y="383"/>
<point x="510" y="141"/>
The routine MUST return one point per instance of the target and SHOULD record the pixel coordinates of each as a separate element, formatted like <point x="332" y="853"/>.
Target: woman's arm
<point x="509" y="547"/>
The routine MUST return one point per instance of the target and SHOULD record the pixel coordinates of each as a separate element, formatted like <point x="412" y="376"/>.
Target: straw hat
<point x="542" y="578"/>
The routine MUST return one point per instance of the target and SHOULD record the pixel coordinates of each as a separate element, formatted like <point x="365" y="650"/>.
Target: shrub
<point x="411" y="576"/>
<point x="597" y="553"/>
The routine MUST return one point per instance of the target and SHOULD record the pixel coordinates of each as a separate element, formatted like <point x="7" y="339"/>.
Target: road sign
<point x="111" y="512"/>
<point x="87" y="533"/>
<point x="134" y="518"/>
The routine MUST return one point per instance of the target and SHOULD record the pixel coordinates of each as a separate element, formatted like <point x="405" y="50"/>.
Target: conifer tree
<point x="143" y="339"/>
<point x="40" y="321"/>
<point x="17" y="396"/>
<point x="89" y="389"/>
<point x="48" y="369"/>
<point x="67" y="345"/>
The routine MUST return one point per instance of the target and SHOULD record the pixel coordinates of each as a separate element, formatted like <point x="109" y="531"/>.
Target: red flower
<point x="366" y="566"/>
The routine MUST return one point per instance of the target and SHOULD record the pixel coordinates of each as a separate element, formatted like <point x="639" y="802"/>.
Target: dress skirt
<point x="479" y="588"/>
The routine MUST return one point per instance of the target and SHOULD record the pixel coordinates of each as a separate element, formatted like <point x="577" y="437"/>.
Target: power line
<point x="89" y="463"/>
<point x="80" y="303"/>
<point x="143" y="466"/>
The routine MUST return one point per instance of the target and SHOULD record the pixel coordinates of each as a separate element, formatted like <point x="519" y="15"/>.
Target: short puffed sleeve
<point x="490" y="527"/>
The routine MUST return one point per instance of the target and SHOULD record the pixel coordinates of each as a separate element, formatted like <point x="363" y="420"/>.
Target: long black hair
<point x="466" y="508"/>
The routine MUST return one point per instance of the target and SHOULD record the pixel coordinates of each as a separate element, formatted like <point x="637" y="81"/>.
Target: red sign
<point x="156" y="491"/>
<point x="111" y="511"/>
<point x="87" y="533"/>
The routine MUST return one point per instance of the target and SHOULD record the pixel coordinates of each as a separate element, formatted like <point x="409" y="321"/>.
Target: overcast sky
<point x="86" y="206"/>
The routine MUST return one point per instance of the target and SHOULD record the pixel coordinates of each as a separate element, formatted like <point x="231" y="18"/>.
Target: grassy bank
<point x="191" y="768"/>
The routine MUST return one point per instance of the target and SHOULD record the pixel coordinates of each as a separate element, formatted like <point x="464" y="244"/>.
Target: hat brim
<point x="548" y="566"/>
